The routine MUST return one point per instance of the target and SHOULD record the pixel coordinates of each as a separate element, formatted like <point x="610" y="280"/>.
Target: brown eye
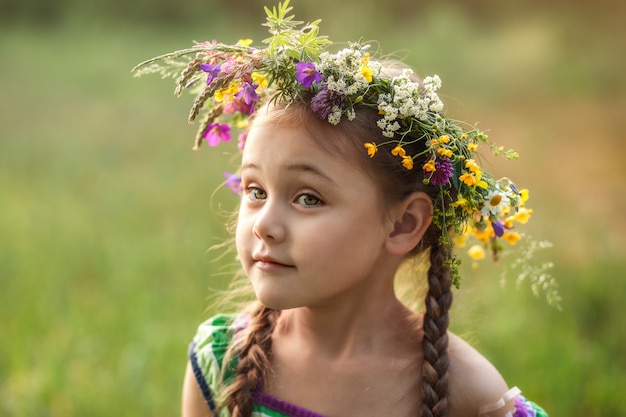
<point x="255" y="193"/>
<point x="308" y="200"/>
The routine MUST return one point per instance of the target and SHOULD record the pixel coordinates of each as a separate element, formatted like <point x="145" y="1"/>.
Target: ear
<point x="411" y="218"/>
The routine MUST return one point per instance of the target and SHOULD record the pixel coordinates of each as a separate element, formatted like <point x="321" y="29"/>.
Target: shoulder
<point x="474" y="382"/>
<point x="210" y="363"/>
<point x="219" y="328"/>
<point x="214" y="336"/>
<point x="193" y="402"/>
<point x="212" y="341"/>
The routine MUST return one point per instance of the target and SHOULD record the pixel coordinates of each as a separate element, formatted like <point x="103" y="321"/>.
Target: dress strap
<point x="485" y="410"/>
<point x="207" y="355"/>
<point x="518" y="406"/>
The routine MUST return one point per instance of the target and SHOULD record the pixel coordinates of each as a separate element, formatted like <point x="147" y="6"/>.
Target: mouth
<point x="269" y="263"/>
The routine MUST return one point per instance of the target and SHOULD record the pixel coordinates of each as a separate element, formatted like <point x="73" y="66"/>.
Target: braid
<point x="435" y="342"/>
<point x="254" y="362"/>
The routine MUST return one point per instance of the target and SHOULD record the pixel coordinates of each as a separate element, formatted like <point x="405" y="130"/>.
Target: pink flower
<point x="216" y="133"/>
<point x="241" y="140"/>
<point x="238" y="105"/>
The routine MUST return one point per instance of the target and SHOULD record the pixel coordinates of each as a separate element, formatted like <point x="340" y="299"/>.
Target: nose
<point x="269" y="224"/>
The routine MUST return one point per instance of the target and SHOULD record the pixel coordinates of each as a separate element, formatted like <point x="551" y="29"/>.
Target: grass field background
<point x="106" y="214"/>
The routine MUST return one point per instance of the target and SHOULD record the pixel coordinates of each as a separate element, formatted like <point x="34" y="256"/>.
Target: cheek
<point x="242" y="233"/>
<point x="350" y="238"/>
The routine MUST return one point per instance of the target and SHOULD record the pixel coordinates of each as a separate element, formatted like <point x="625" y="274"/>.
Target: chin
<point x="275" y="301"/>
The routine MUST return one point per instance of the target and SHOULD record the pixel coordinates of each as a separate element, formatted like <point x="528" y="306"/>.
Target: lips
<point x="266" y="262"/>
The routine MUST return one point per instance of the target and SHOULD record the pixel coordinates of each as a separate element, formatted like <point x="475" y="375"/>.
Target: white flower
<point x="391" y="113"/>
<point x="495" y="201"/>
<point x="352" y="89"/>
<point x="436" y="106"/>
<point x="335" y="116"/>
<point x="432" y="83"/>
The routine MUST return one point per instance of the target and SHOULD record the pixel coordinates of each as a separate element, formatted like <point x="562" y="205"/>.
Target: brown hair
<point x="396" y="183"/>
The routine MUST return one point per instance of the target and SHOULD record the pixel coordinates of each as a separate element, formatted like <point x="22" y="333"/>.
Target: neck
<point x="347" y="330"/>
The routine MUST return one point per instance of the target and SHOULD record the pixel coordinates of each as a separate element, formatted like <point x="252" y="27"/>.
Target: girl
<point x="349" y="170"/>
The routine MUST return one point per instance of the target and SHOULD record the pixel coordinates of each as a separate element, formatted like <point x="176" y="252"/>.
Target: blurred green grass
<point x="106" y="214"/>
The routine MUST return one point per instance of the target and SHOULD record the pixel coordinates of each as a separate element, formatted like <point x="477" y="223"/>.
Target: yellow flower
<point x="429" y="166"/>
<point x="511" y="237"/>
<point x="485" y="235"/>
<point x="471" y="165"/>
<point x="367" y="73"/>
<point x="460" y="240"/>
<point x="479" y="182"/>
<point x="407" y="162"/>
<point x="434" y="143"/>
<point x="523" y="215"/>
<point x="508" y="222"/>
<point x="244" y="42"/>
<point x="468" y="179"/>
<point x="463" y="136"/>
<point x="371" y="148"/>
<point x="226" y="93"/>
<point x="474" y="180"/>
<point x="444" y="139"/>
<point x="398" y="151"/>
<point x="260" y="80"/>
<point x="445" y="152"/>
<point x="460" y="201"/>
<point x="472" y="147"/>
<point x="524" y="194"/>
<point x="476" y="252"/>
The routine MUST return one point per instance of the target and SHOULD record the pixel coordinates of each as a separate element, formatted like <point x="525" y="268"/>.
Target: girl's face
<point x="311" y="229"/>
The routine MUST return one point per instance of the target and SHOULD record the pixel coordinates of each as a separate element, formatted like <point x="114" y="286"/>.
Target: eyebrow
<point x="298" y="167"/>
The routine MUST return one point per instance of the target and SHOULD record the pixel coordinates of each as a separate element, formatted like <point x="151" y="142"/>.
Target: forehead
<point x="344" y="142"/>
<point x="272" y="124"/>
<point x="282" y="150"/>
<point x="272" y="140"/>
<point x="304" y="124"/>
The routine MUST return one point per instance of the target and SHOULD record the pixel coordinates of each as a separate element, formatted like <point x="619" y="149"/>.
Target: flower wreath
<point x="232" y="81"/>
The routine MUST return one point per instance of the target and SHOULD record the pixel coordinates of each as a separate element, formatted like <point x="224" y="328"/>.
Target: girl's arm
<point x="193" y="404"/>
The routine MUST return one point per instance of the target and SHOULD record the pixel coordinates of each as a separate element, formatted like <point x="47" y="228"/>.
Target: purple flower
<point x="498" y="228"/>
<point x="211" y="70"/>
<point x="216" y="133"/>
<point x="248" y="92"/>
<point x="307" y="74"/>
<point x="325" y="100"/>
<point x="443" y="172"/>
<point x="233" y="181"/>
<point x="523" y="408"/>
